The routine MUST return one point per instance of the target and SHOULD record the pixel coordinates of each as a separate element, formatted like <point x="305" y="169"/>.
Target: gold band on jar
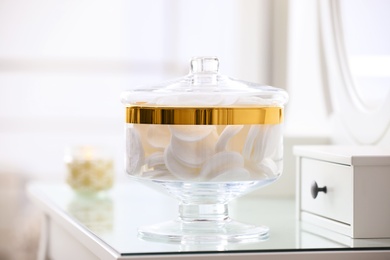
<point x="204" y="115"/>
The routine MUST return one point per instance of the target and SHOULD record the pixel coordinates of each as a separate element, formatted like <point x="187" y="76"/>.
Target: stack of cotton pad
<point x="202" y="153"/>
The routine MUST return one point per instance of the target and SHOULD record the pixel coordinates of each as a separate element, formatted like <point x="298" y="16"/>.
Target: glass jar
<point x="90" y="169"/>
<point x="206" y="139"/>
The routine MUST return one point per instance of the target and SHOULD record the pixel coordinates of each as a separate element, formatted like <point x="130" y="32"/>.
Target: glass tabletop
<point x="113" y="218"/>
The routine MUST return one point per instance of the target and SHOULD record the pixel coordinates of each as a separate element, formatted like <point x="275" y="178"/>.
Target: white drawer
<point x="336" y="203"/>
<point x="356" y="180"/>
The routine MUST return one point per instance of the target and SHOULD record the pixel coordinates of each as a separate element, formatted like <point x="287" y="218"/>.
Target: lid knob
<point x="204" y="65"/>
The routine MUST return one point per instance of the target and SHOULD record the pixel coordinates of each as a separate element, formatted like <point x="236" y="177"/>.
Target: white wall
<point x="63" y="66"/>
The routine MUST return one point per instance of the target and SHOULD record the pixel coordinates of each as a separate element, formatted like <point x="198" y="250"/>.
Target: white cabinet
<point x="345" y="189"/>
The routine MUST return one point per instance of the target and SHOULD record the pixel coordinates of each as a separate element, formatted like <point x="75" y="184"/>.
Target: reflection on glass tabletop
<point x="114" y="217"/>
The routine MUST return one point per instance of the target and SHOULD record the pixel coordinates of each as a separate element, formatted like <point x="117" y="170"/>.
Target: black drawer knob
<point x="315" y="189"/>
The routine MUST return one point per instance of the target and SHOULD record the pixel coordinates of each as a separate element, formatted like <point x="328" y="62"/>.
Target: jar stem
<point x="203" y="212"/>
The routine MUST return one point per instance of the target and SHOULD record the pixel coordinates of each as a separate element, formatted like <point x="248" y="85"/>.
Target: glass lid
<point x="205" y="87"/>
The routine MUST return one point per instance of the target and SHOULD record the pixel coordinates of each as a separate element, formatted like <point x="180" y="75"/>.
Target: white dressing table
<point x="105" y="227"/>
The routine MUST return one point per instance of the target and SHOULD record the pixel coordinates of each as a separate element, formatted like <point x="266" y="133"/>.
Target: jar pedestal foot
<point x="203" y="224"/>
